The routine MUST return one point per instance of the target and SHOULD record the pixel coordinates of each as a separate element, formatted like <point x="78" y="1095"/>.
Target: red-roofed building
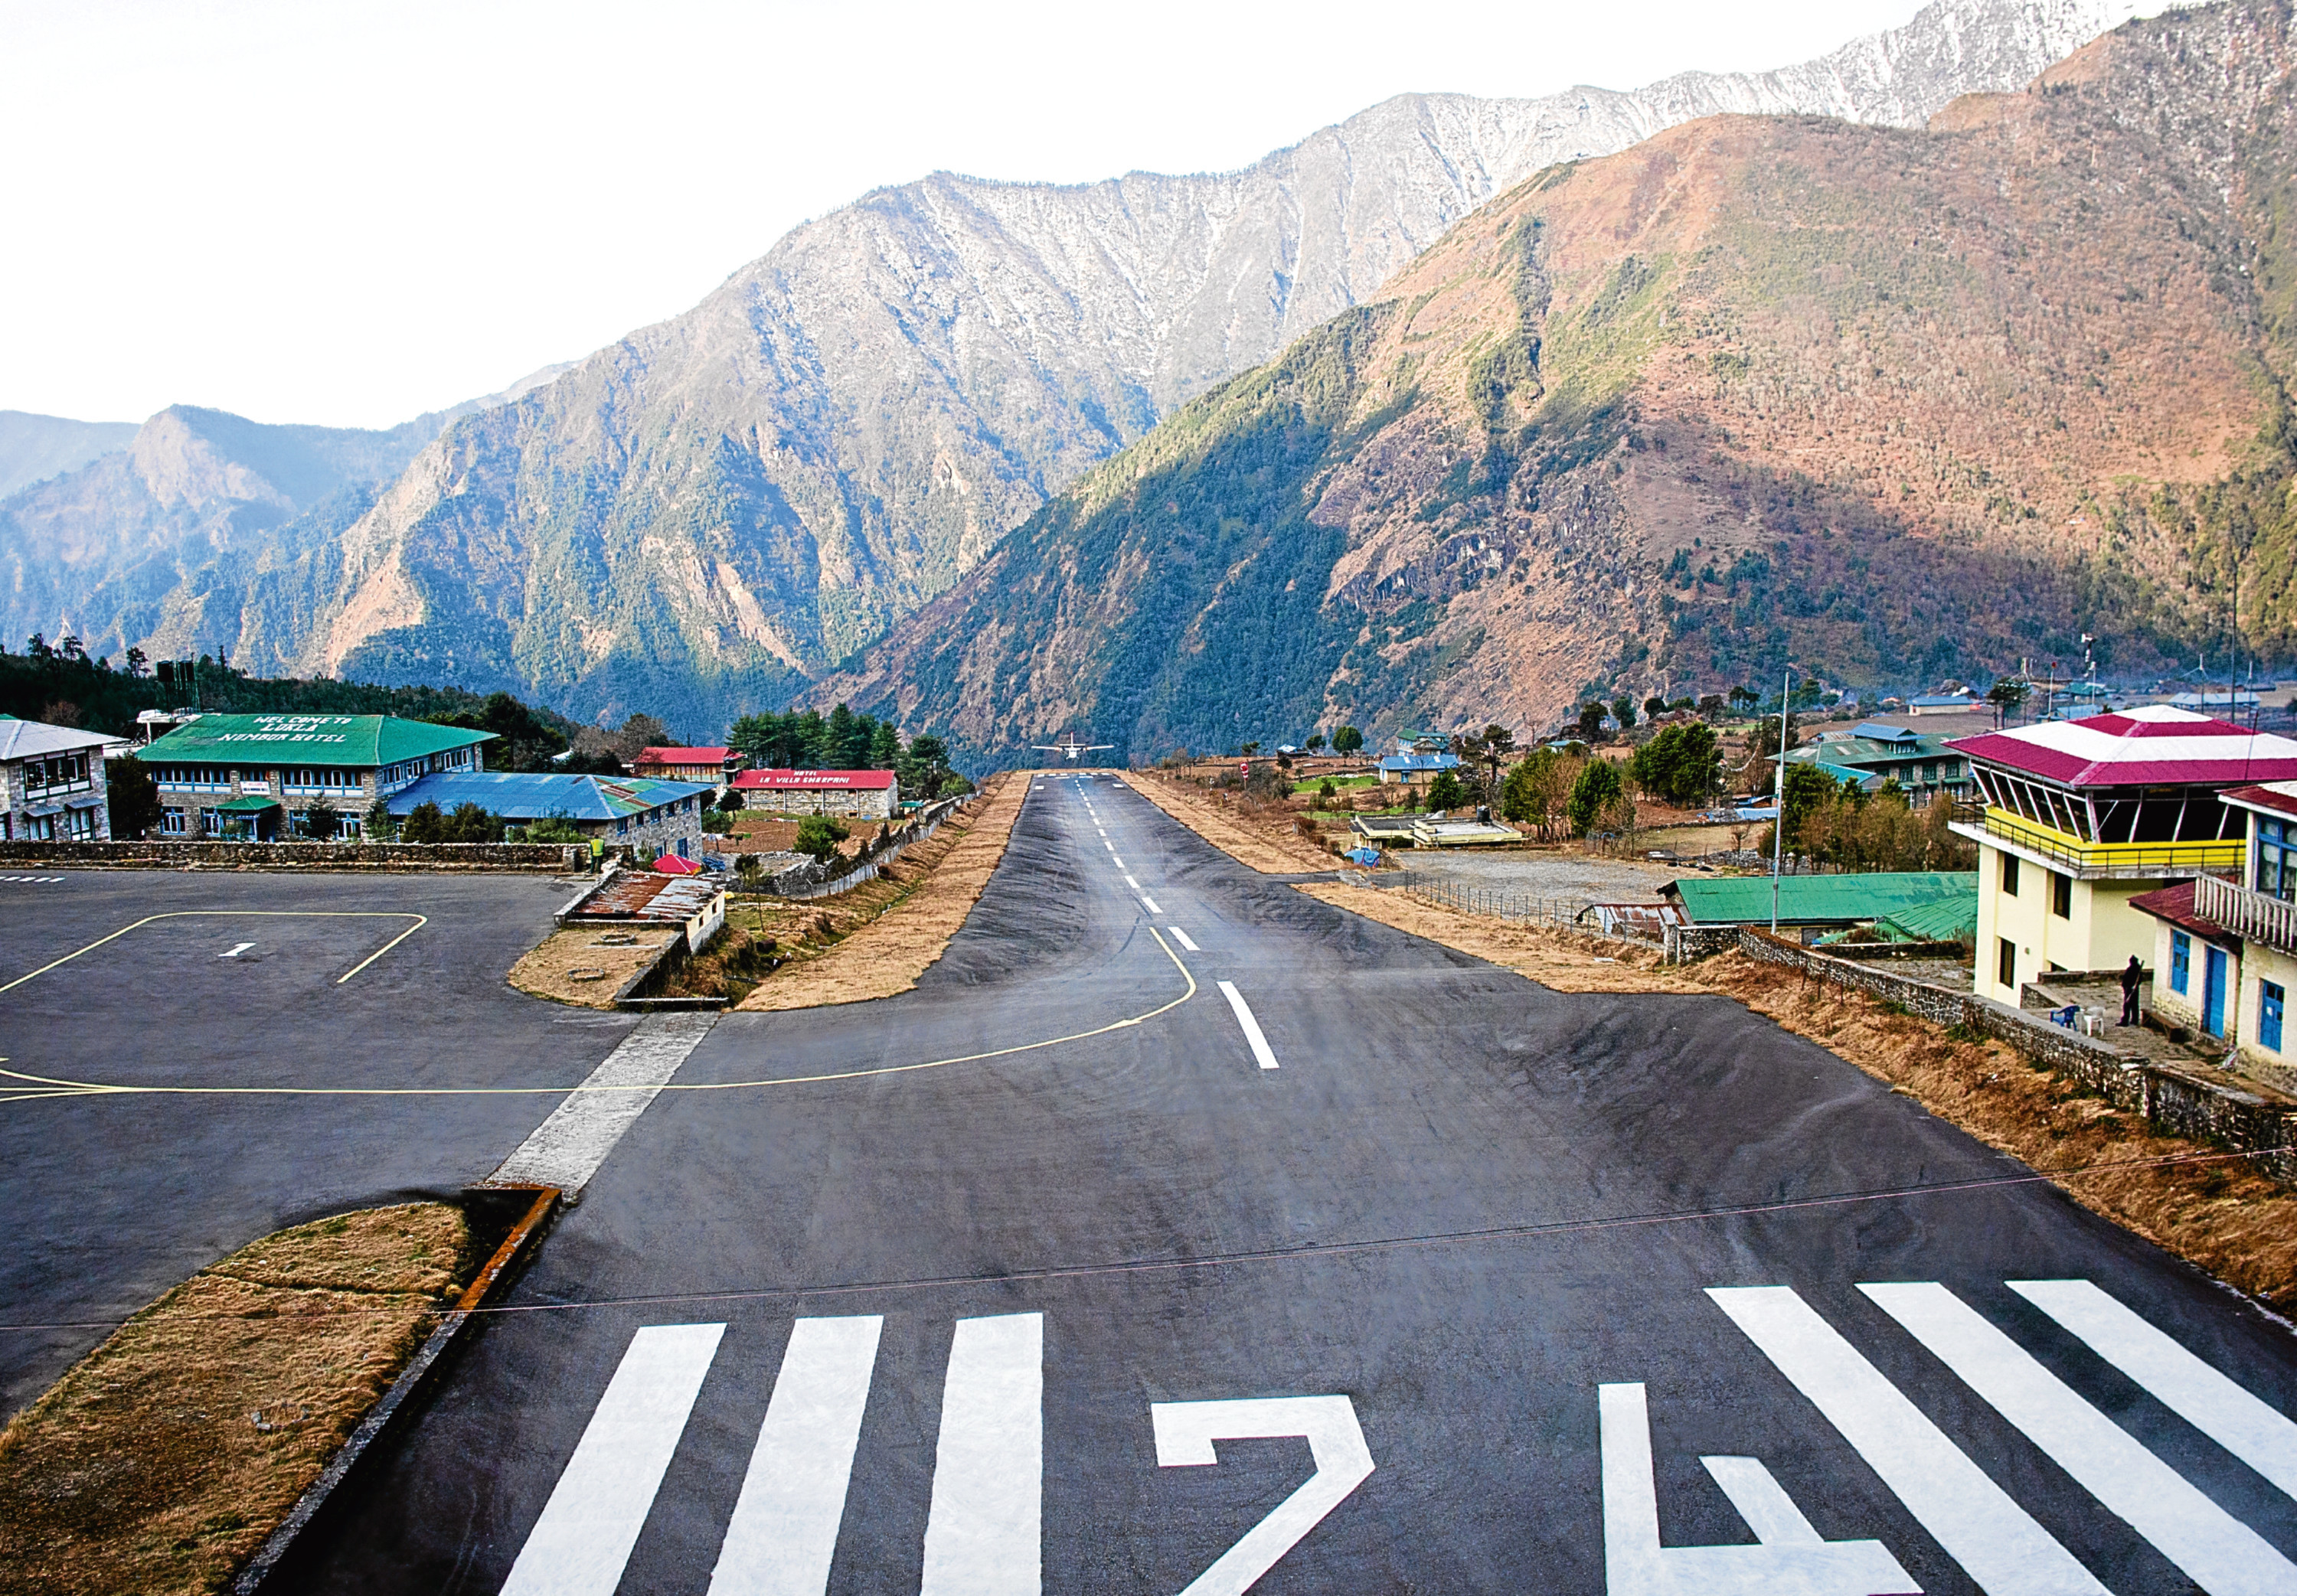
<point x="863" y="795"/>
<point x="2083" y="816"/>
<point x="712" y="765"/>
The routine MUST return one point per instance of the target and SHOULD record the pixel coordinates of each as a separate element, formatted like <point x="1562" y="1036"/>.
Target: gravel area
<point x="1548" y="874"/>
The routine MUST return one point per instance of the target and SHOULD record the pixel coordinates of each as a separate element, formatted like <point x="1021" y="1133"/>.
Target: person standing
<point x="2132" y="975"/>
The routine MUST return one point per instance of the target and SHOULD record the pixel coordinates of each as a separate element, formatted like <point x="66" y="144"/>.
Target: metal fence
<point x="1571" y="914"/>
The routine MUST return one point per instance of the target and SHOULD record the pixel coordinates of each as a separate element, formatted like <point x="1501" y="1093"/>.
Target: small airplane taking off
<point x="1069" y="747"/>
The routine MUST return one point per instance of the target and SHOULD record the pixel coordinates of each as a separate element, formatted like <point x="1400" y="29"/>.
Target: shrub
<point x="818" y="836"/>
<point x="1446" y="792"/>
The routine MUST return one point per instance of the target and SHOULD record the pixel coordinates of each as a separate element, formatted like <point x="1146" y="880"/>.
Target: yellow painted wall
<point x="2100" y="933"/>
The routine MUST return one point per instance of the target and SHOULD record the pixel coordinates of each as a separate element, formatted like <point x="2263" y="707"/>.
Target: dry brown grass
<point x="553" y="967"/>
<point x="1260" y="837"/>
<point x="163" y="1459"/>
<point x="2220" y="1215"/>
<point x="881" y="936"/>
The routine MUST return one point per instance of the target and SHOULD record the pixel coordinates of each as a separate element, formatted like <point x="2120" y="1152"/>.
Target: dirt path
<point x="908" y="920"/>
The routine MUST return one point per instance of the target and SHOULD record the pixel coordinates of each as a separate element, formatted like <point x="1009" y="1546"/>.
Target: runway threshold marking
<point x="278" y="914"/>
<point x="983" y="1533"/>
<point x="43" y="1087"/>
<point x="1251" y="1035"/>
<point x="582" y="1541"/>
<point x="2216" y="1550"/>
<point x="2253" y="1432"/>
<point x="1997" y="1542"/>
<point x="784" y="1532"/>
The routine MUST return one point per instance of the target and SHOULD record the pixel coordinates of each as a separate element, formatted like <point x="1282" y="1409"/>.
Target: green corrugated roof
<point x="246" y="806"/>
<point x="1812" y="900"/>
<point x="1947" y="920"/>
<point x="360" y="741"/>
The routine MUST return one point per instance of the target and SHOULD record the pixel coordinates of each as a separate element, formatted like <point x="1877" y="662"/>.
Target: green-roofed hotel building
<point x="257" y="776"/>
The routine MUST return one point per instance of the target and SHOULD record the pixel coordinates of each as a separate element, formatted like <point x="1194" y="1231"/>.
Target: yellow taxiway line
<point x="43" y="1087"/>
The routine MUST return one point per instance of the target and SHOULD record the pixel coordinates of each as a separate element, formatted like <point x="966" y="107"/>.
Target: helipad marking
<point x="268" y="914"/>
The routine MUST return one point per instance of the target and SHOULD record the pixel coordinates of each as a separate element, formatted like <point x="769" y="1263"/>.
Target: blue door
<point x="2213" y="984"/>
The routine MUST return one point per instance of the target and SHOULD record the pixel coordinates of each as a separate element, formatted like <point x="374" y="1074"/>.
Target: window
<point x="2061" y="895"/>
<point x="2006" y="965"/>
<point x="2270" y="1000"/>
<point x="2009" y="878"/>
<point x="2276" y="872"/>
<point x="2181" y="960"/>
<point x="174" y="822"/>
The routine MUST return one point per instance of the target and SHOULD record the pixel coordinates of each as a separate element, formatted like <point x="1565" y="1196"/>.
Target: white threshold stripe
<point x="784" y="1530"/>
<point x="1182" y="937"/>
<point x="982" y="1533"/>
<point x="2256" y="1434"/>
<point x="567" y="1148"/>
<point x="1149" y="904"/>
<point x="2215" y="1550"/>
<point x="1997" y="1542"/>
<point x="579" y="1545"/>
<point x="1259" y="1044"/>
<point x="1130" y="882"/>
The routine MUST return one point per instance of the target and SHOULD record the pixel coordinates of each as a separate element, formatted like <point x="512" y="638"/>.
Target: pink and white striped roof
<point x="2159" y="746"/>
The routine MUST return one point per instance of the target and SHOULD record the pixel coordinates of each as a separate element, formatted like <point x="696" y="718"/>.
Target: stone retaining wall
<point x="2178" y="1103"/>
<point x="186" y="853"/>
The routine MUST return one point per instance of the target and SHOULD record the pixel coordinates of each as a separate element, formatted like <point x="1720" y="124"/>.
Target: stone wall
<point x="2177" y="1102"/>
<point x="179" y="854"/>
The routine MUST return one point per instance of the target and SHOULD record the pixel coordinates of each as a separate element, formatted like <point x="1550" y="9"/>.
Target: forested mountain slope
<point x="1895" y="403"/>
<point x="719" y="507"/>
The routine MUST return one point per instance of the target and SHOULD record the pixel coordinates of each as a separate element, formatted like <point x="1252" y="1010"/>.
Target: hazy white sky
<point x="341" y="213"/>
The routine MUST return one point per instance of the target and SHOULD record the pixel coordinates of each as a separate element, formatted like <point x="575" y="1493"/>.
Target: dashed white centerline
<point x="1150" y="903"/>
<point x="1115" y="860"/>
<point x="1182" y="937"/>
<point x="1260" y="1048"/>
<point x="1132" y="884"/>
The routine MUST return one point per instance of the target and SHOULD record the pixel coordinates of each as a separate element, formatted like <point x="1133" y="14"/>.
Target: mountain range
<point x="718" y="510"/>
<point x="1888" y="403"/>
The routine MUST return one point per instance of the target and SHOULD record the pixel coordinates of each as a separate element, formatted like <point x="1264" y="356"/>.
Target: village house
<point x="52" y="785"/>
<point x="715" y="766"/>
<point x="1417" y="760"/>
<point x="647" y="817"/>
<point x="1874" y="754"/>
<point x="855" y="794"/>
<point x="260" y="778"/>
<point x="2082" y="817"/>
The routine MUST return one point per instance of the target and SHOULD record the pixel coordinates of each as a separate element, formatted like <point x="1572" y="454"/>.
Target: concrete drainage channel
<point x="526" y="1192"/>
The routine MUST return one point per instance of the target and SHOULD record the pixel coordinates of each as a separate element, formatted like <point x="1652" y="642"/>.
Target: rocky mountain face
<point x="1891" y="403"/>
<point x="35" y="447"/>
<point x="177" y="536"/>
<point x="718" y="508"/>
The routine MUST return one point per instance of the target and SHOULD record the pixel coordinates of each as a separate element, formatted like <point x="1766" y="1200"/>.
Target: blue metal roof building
<point x="598" y="805"/>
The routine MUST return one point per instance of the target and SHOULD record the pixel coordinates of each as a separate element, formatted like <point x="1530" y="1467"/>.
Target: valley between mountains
<point x="782" y="494"/>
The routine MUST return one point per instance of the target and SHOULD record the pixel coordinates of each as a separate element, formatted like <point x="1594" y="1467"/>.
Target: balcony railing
<point x="2252" y="916"/>
<point x="2134" y="858"/>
